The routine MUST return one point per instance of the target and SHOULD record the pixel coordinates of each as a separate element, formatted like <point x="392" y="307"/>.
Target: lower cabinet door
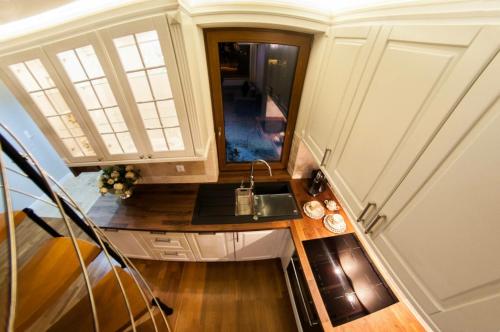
<point x="257" y="245"/>
<point x="210" y="247"/>
<point x="128" y="242"/>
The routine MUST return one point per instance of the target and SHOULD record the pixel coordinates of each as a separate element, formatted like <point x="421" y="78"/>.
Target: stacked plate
<point x="314" y="210"/>
<point x="334" y="223"/>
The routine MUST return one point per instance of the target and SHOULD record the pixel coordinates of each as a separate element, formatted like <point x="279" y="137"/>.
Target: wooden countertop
<point x="170" y="208"/>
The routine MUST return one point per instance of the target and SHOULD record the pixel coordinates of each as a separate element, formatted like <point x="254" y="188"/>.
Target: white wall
<point x="13" y="115"/>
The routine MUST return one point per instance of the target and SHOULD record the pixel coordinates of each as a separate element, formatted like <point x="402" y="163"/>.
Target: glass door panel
<point x="256" y="85"/>
<point x="86" y="73"/>
<point x="37" y="82"/>
<point x="142" y="59"/>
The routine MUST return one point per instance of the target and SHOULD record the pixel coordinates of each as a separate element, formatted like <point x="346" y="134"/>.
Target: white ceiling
<point x="13" y="10"/>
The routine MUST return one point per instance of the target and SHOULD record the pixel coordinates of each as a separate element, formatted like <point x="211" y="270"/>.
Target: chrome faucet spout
<point x="251" y="170"/>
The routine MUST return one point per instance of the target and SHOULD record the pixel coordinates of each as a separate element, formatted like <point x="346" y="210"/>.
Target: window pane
<point x="59" y="127"/>
<point x="126" y="142"/>
<point x="38" y="70"/>
<point x="104" y="92"/>
<point x="129" y="55"/>
<point x="116" y="119"/>
<point x="24" y="77"/>
<point x="149" y="115"/>
<point x="112" y="144"/>
<point x="43" y="103"/>
<point x="140" y="86"/>
<point x="87" y="95"/>
<point x="159" y="83"/>
<point x="89" y="61"/>
<point x="57" y="101"/>
<point x="72" y="66"/>
<point x="157" y="140"/>
<point x="72" y="125"/>
<point x="174" y="138"/>
<point x="85" y="146"/>
<point x="150" y="48"/>
<point x="168" y="115"/>
<point x="100" y="121"/>
<point x="72" y="146"/>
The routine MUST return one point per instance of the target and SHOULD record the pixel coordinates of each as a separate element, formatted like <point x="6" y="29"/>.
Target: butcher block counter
<point x="170" y="208"/>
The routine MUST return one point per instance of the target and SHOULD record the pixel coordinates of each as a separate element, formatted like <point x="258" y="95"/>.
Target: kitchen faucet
<point x="251" y="170"/>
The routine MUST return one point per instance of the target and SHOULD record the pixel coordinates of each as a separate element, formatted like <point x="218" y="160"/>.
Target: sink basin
<point x="272" y="201"/>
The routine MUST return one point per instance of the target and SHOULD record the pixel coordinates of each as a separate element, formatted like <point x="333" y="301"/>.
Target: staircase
<point x="64" y="274"/>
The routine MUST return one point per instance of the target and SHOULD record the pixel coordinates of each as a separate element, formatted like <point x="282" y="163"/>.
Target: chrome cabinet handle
<point x="159" y="239"/>
<point x="150" y="156"/>
<point x="311" y="323"/>
<point x="141" y="156"/>
<point x="325" y="157"/>
<point x="365" y="210"/>
<point x="374" y="222"/>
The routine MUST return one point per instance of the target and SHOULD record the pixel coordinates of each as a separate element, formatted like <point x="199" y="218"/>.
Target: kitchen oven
<point x="306" y="310"/>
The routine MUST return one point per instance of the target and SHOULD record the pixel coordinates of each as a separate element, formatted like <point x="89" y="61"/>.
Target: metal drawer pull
<point x="373" y="223"/>
<point x="166" y="253"/>
<point x="365" y="210"/>
<point x="159" y="239"/>
<point x="207" y="233"/>
<point x="325" y="157"/>
<point x="311" y="323"/>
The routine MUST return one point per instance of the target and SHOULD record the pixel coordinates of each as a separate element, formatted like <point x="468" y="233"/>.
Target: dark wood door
<point x="256" y="80"/>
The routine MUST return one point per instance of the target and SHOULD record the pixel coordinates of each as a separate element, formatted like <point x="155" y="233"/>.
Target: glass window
<point x="142" y="59"/>
<point x="86" y="73"/>
<point x="37" y="82"/>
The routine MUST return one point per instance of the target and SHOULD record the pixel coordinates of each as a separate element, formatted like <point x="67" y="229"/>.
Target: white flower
<point x="115" y="174"/>
<point x="129" y="175"/>
<point x="129" y="168"/>
<point x="103" y="190"/>
<point x="111" y="181"/>
<point x="118" y="186"/>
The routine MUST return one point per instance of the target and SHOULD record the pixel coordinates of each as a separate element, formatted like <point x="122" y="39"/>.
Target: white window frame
<point x="92" y="39"/>
<point x="26" y="101"/>
<point x="158" y="23"/>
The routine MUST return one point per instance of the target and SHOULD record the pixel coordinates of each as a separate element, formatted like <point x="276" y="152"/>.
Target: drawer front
<point x="170" y="241"/>
<point x="173" y="255"/>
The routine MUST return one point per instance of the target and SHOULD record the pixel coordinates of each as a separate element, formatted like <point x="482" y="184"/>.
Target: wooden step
<point x="111" y="309"/>
<point x="47" y="275"/>
<point x="19" y="216"/>
<point x="146" y="324"/>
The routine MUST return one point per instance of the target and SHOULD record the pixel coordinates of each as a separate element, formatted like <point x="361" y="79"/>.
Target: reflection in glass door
<point x="256" y="92"/>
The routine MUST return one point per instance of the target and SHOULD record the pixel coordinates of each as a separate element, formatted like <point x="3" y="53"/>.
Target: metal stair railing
<point x="67" y="207"/>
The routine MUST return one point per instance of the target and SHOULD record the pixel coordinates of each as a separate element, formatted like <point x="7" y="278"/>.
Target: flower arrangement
<point x="118" y="180"/>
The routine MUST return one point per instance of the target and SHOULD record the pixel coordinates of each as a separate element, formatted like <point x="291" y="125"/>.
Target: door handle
<point x="365" y="210"/>
<point x="219" y="131"/>
<point x="325" y="157"/>
<point x="374" y="222"/>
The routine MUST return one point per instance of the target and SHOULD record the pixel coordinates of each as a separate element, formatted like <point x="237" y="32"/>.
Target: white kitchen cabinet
<point x="341" y="70"/>
<point x="413" y="80"/>
<point x="109" y="95"/>
<point x="440" y="232"/>
<point x="128" y="242"/>
<point x="210" y="247"/>
<point x="255" y="245"/>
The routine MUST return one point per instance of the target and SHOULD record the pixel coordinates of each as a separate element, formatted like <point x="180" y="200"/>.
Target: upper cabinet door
<point x="415" y="77"/>
<point x="91" y="83"/>
<point x="144" y="59"/>
<point x="440" y="234"/>
<point x="30" y="76"/>
<point x="344" y="62"/>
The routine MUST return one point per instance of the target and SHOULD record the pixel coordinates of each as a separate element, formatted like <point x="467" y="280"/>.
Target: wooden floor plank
<point x="222" y="296"/>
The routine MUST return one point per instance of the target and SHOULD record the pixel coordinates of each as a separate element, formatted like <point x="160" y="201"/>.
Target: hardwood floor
<point x="222" y="296"/>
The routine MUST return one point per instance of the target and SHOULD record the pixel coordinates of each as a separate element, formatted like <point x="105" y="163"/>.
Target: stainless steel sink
<point x="273" y="205"/>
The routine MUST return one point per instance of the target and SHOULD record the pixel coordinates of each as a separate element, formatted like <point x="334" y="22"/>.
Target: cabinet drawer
<point x="170" y="241"/>
<point x="173" y="255"/>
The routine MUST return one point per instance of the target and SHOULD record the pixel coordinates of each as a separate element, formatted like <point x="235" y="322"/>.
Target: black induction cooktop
<point x="350" y="285"/>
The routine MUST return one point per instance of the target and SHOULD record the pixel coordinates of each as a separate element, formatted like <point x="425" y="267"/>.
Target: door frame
<point x="254" y="35"/>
